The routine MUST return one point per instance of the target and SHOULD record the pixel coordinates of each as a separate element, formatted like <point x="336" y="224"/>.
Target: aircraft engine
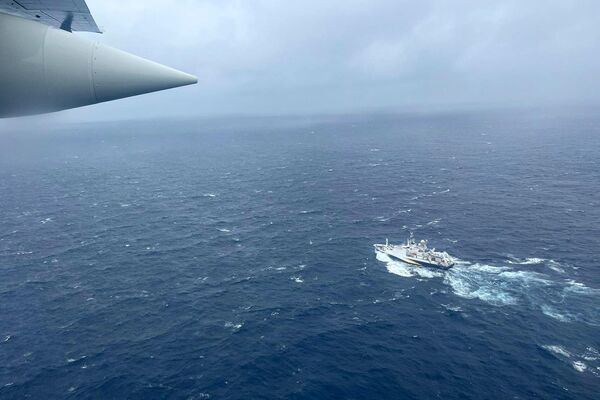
<point x="45" y="69"/>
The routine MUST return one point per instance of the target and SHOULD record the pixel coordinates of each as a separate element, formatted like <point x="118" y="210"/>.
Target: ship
<point x="416" y="253"/>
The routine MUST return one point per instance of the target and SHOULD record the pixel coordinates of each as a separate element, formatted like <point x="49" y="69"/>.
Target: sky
<point x="331" y="56"/>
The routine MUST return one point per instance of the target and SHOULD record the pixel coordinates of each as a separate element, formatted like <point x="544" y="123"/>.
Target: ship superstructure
<point x="416" y="253"/>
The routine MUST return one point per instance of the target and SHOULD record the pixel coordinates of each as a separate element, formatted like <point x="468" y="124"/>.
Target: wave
<point x="579" y="366"/>
<point x="233" y="326"/>
<point x="581" y="361"/>
<point x="553" y="313"/>
<point x="479" y="283"/>
<point x="527" y="261"/>
<point x="450" y="307"/>
<point x="551" y="264"/>
<point x="304" y="212"/>
<point x="557" y="350"/>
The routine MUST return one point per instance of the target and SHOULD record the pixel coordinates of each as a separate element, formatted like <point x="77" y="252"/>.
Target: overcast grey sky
<point x="276" y="56"/>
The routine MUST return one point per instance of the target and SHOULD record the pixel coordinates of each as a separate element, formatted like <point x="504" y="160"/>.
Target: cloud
<point x="267" y="56"/>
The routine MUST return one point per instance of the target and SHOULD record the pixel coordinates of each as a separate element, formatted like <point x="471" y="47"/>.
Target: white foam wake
<point x="406" y="270"/>
<point x="527" y="261"/>
<point x="551" y="264"/>
<point x="563" y="300"/>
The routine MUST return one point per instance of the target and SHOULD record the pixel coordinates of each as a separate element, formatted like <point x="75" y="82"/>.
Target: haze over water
<point x="234" y="258"/>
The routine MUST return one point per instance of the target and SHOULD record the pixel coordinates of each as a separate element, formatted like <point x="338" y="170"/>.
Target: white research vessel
<point x="415" y="253"/>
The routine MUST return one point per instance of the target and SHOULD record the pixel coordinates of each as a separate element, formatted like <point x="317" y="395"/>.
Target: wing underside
<point x="73" y="14"/>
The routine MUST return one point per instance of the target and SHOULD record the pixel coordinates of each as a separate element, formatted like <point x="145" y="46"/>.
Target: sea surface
<point x="233" y="258"/>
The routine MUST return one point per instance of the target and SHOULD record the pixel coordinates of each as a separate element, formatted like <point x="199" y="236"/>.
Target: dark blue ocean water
<point x="234" y="258"/>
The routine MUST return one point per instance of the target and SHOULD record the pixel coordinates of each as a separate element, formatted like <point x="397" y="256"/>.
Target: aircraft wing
<point x="66" y="14"/>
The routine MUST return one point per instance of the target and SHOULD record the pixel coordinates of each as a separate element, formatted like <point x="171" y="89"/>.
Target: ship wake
<point x="560" y="298"/>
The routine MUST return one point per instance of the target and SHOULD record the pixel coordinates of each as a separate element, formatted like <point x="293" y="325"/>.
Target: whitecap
<point x="591" y="354"/>
<point x="297" y="279"/>
<point x="525" y="276"/>
<point x="556" y="349"/>
<point x="574" y="283"/>
<point x="223" y="230"/>
<point x="576" y="358"/>
<point x="452" y="308"/>
<point x="578" y="287"/>
<point x="527" y="261"/>
<point x="552" y="313"/>
<point x="554" y="266"/>
<point x="72" y="360"/>
<point x="483" y="267"/>
<point x="533" y="260"/>
<point x="579" y="366"/>
<point x="234" y="326"/>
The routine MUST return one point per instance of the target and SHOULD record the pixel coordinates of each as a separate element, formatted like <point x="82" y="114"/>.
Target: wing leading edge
<point x="73" y="14"/>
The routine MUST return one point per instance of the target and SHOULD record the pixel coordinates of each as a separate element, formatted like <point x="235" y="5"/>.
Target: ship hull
<point x="402" y="259"/>
<point x="430" y="265"/>
<point x="420" y="263"/>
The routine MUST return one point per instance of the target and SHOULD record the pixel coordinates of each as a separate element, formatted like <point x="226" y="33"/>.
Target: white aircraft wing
<point x="70" y="15"/>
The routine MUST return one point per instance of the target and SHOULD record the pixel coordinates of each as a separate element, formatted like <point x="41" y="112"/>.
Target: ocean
<point x="232" y="258"/>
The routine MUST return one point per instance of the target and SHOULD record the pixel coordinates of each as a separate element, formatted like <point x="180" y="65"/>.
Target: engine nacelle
<point x="44" y="69"/>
